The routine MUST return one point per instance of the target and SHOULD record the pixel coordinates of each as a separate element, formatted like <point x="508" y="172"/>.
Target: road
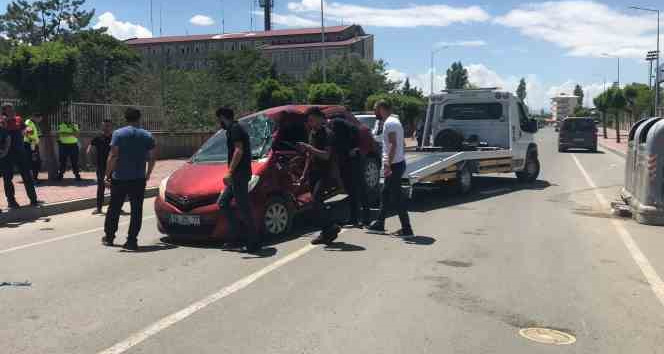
<point x="484" y="266"/>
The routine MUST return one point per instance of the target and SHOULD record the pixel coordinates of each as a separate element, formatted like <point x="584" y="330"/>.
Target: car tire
<point x="372" y="178"/>
<point x="464" y="181"/>
<point x="561" y="149"/>
<point x="531" y="170"/>
<point x="277" y="217"/>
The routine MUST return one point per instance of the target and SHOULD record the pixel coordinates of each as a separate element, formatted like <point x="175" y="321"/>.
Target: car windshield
<point x="579" y="125"/>
<point x="369" y="121"/>
<point x="258" y="126"/>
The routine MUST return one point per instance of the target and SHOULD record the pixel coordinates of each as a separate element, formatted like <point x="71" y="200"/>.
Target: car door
<point x="290" y="163"/>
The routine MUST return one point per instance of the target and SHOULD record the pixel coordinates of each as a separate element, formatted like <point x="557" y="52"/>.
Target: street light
<point x="322" y="31"/>
<point x="657" y="68"/>
<point x="650" y="57"/>
<point x="433" y="53"/>
<point x="613" y="56"/>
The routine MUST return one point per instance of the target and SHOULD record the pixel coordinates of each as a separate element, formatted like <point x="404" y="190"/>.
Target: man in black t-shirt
<point x="351" y="167"/>
<point x="318" y="171"/>
<point x="237" y="178"/>
<point x="5" y="143"/>
<point x="102" y="146"/>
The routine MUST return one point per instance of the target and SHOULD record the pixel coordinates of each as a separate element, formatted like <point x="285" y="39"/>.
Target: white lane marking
<point x="176" y="317"/>
<point x="60" y="238"/>
<point x="647" y="269"/>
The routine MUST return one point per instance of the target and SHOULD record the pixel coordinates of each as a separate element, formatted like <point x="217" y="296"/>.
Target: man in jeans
<point x="102" y="146"/>
<point x="237" y="178"/>
<point x="131" y="149"/>
<point x="394" y="166"/>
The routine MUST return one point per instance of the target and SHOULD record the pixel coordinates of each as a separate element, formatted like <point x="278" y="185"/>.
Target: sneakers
<point x="377" y="227"/>
<point x="97" y="212"/>
<point x="36" y="202"/>
<point x="131" y="245"/>
<point x="327" y="235"/>
<point x="12" y="204"/>
<point x="107" y="241"/>
<point x="404" y="233"/>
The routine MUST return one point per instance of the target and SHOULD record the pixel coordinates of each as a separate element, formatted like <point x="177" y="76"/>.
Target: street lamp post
<point x="322" y="31"/>
<point x="657" y="68"/>
<point x="652" y="56"/>
<point x="433" y="53"/>
<point x="613" y="56"/>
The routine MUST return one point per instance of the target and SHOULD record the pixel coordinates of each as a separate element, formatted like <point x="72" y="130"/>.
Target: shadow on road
<point x="484" y="188"/>
<point x="420" y="240"/>
<point x="152" y="248"/>
<point x="584" y="151"/>
<point x="343" y="247"/>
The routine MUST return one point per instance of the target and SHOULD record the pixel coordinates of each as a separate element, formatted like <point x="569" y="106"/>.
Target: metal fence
<point x="89" y="116"/>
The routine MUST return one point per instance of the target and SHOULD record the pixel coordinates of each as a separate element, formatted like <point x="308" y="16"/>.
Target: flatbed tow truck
<point x="469" y="132"/>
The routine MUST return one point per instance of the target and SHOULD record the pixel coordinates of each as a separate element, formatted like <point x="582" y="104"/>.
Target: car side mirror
<point x="532" y="126"/>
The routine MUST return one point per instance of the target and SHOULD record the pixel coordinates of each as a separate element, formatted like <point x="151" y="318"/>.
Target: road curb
<point x="33" y="213"/>
<point x="615" y="151"/>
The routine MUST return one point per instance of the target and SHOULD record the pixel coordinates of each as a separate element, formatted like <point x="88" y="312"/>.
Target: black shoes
<point x="107" y="241"/>
<point x="97" y="212"/>
<point x="377" y="227"/>
<point x="131" y="245"/>
<point x="327" y="235"/>
<point x="36" y="202"/>
<point x="12" y="204"/>
<point x="404" y="233"/>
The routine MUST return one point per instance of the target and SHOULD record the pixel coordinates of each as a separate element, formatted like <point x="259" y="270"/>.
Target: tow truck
<point x="471" y="132"/>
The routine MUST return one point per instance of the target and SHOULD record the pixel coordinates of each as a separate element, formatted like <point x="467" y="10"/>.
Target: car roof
<point x="286" y="112"/>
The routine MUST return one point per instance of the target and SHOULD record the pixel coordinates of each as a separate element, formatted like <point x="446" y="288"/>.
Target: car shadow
<point x="584" y="151"/>
<point x="484" y="187"/>
<point x="343" y="247"/>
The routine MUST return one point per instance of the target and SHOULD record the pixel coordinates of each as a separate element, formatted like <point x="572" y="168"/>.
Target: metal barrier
<point x="644" y="176"/>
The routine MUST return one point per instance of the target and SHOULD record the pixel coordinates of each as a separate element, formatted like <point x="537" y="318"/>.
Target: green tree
<point x="602" y="105"/>
<point x="578" y="92"/>
<point x="358" y="78"/>
<point x="325" y="94"/>
<point x="270" y="93"/>
<point x="617" y="103"/>
<point x="409" y="109"/>
<point x="521" y="90"/>
<point x="234" y="74"/>
<point x="408" y="90"/>
<point x="581" y="112"/>
<point x="102" y="59"/>
<point x="457" y="77"/>
<point x="189" y="102"/>
<point x="37" y="22"/>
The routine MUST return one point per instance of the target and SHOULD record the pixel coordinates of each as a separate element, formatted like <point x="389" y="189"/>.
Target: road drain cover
<point x="547" y="336"/>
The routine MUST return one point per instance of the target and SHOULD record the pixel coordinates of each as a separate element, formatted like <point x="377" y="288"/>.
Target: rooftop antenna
<point x="161" y="5"/>
<point x="151" y="18"/>
<point x="267" y="6"/>
<point x="223" y="14"/>
<point x="251" y="15"/>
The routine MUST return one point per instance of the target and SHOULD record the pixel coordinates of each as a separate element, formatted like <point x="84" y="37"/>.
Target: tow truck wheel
<point x="278" y="217"/>
<point x="531" y="170"/>
<point x="464" y="180"/>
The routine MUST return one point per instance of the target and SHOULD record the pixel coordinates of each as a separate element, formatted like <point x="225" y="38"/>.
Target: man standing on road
<point x="31" y="141"/>
<point x="102" y="145"/>
<point x="5" y="143"/>
<point x="68" y="148"/>
<point x="351" y="168"/>
<point x="236" y="181"/>
<point x="394" y="166"/>
<point x="318" y="171"/>
<point x="131" y="149"/>
<point x="17" y="158"/>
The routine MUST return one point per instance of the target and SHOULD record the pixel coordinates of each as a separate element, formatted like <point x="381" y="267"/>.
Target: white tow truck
<point x="475" y="131"/>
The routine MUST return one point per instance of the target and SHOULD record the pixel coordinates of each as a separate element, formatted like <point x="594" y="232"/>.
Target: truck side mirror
<point x="532" y="126"/>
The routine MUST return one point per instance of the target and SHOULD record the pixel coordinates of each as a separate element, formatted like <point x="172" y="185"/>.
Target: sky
<point x="553" y="45"/>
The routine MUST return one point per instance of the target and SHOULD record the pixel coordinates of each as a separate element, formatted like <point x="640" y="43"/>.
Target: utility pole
<point x="322" y="35"/>
<point x="267" y="13"/>
<point x="657" y="68"/>
<point x="433" y="66"/>
<point x="613" y="56"/>
<point x="652" y="56"/>
<point x="151" y="17"/>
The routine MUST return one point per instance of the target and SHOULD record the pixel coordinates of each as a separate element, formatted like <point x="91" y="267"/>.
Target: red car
<point x="186" y="205"/>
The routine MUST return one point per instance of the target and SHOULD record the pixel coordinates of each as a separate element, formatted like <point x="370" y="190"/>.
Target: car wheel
<point x="278" y="217"/>
<point x="561" y="149"/>
<point x="531" y="170"/>
<point x="464" y="180"/>
<point x="372" y="177"/>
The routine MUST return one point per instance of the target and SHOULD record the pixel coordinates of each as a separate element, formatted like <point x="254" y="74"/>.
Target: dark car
<point x="578" y="133"/>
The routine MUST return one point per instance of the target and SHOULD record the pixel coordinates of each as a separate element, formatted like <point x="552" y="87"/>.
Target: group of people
<point x="334" y="142"/>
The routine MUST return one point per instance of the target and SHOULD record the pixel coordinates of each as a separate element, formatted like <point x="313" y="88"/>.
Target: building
<point x="292" y="51"/>
<point x="563" y="105"/>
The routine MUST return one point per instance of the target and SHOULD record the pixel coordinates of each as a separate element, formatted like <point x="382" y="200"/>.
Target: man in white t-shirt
<point x="394" y="166"/>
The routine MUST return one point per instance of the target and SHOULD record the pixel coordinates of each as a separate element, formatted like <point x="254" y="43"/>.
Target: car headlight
<point x="253" y="182"/>
<point x="162" y="188"/>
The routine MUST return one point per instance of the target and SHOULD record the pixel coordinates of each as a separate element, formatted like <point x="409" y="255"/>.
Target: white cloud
<point x="474" y="43"/>
<point x="121" y="30"/>
<point x="590" y="90"/>
<point x="585" y="28"/>
<point x="293" y="21"/>
<point x="409" y="16"/>
<point x="201" y="20"/>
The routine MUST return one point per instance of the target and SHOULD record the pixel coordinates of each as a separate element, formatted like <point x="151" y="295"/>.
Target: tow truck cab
<point x="485" y="117"/>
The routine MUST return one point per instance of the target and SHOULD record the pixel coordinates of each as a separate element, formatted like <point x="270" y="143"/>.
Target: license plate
<point x="185" y="220"/>
<point x="579" y="140"/>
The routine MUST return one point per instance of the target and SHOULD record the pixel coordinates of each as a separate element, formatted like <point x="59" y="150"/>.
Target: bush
<point x="270" y="93"/>
<point x="325" y="94"/>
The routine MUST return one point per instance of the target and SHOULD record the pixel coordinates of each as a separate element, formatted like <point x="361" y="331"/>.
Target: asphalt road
<point x="484" y="266"/>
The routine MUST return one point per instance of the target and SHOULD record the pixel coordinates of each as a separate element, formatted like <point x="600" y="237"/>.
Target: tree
<point x="358" y="78"/>
<point x="521" y="90"/>
<point x="190" y="102"/>
<point x="43" y="76"/>
<point x="408" y="90"/>
<point x="602" y="105"/>
<point x="270" y="93"/>
<point x="457" y="77"/>
<point x="581" y="112"/>
<point x="325" y="94"/>
<point x="43" y="21"/>
<point x="408" y="108"/>
<point x="578" y="92"/>
<point x="616" y="102"/>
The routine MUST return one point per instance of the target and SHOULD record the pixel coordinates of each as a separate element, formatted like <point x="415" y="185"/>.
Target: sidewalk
<point x="70" y="190"/>
<point x="611" y="144"/>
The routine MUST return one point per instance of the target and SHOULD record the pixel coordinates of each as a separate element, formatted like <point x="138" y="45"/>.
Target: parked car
<point x="577" y="132"/>
<point x="186" y="205"/>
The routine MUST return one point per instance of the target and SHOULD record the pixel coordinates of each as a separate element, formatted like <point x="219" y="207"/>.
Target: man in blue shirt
<point x="132" y="148"/>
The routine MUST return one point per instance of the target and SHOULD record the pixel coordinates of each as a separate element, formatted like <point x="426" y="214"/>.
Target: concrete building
<point x="563" y="106"/>
<point x="292" y="51"/>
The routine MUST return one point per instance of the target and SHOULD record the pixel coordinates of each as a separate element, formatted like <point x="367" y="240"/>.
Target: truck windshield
<point x="259" y="128"/>
<point x="473" y="111"/>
